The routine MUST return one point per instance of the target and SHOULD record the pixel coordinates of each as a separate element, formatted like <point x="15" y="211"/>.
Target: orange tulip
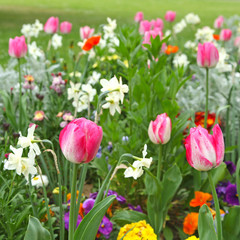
<point x="91" y="42"/>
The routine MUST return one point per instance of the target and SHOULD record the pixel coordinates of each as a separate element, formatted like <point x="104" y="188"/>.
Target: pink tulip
<point x="225" y="34"/>
<point x="138" y="17"/>
<point x="144" y="26"/>
<point x="219" y="22"/>
<point x="159" y="131"/>
<point x="65" y="27"/>
<point x="203" y="150"/>
<point x="170" y="16"/>
<point x="149" y="34"/>
<point x="17" y="47"/>
<point x="237" y="42"/>
<point x="51" y="26"/>
<point x="86" y="32"/>
<point x="157" y="24"/>
<point x="80" y="140"/>
<point x="207" y="55"/>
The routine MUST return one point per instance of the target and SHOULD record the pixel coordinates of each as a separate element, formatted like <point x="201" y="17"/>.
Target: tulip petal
<point x="219" y="144"/>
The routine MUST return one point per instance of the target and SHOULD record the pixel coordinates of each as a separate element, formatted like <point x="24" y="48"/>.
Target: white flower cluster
<point x="23" y="165"/>
<point x="136" y="169"/>
<point x="180" y="60"/>
<point x="204" y="34"/>
<point x="35" y="51"/>
<point x="178" y="27"/>
<point x="222" y="66"/>
<point x="94" y="78"/>
<point x="32" y="30"/>
<point x="192" y="18"/>
<point x="109" y="37"/>
<point x="115" y="94"/>
<point x="190" y="45"/>
<point x="82" y="95"/>
<point x="56" y="41"/>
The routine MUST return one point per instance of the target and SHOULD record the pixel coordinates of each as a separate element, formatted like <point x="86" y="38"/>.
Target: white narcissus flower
<point x="37" y="181"/>
<point x="112" y="104"/>
<point x="204" y="34"/>
<point x="89" y="91"/>
<point x="34" y="51"/>
<point x="27" y="30"/>
<point x="22" y="165"/>
<point x="134" y="171"/>
<point x="178" y="27"/>
<point x="190" y="45"/>
<point x="82" y="103"/>
<point x="56" y="41"/>
<point x="94" y="78"/>
<point x="74" y="91"/>
<point x="25" y="142"/>
<point x="192" y="18"/>
<point x="180" y="60"/>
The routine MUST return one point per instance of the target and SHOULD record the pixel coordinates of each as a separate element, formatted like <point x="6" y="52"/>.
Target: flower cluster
<point x="115" y="93"/>
<point x="139" y="230"/>
<point x="58" y="84"/>
<point x="32" y="30"/>
<point x="16" y="161"/>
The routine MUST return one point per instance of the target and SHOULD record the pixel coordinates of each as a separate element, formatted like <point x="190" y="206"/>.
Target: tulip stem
<point x="206" y="105"/>
<point x="159" y="169"/>
<point x="20" y="95"/>
<point x="72" y="203"/>
<point x="216" y="204"/>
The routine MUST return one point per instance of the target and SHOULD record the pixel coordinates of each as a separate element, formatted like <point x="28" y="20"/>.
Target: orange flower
<point x="39" y="116"/>
<point x="109" y="211"/>
<point x="91" y="42"/>
<point x="69" y="196"/>
<point x="190" y="223"/>
<point x="29" y="78"/>
<point x="171" y="49"/>
<point x="216" y="37"/>
<point x="200" y="199"/>
<point x="214" y="212"/>
<point x="45" y="217"/>
<point x="81" y="210"/>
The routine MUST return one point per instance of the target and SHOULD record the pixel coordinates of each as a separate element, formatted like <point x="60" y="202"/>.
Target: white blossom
<point x="37" y="181"/>
<point x="56" y="41"/>
<point x="204" y="34"/>
<point x="34" y="51"/>
<point x="133" y="171"/>
<point x="112" y="104"/>
<point x="190" y="45"/>
<point x="74" y="91"/>
<point x="94" y="78"/>
<point x="180" y="60"/>
<point x="178" y="27"/>
<point x="192" y="18"/>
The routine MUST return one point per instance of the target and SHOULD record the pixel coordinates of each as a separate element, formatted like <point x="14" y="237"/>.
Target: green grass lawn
<point x="14" y="13"/>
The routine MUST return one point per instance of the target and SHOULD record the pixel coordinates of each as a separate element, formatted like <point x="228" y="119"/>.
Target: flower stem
<point x="159" y="168"/>
<point x="30" y="196"/>
<point x="73" y="203"/>
<point x="206" y="104"/>
<point x="216" y="204"/>
<point x="80" y="189"/>
<point x="20" y="95"/>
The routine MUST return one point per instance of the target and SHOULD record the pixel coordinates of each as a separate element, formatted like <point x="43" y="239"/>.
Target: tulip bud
<point x="170" y="16"/>
<point x="207" y="55"/>
<point x="144" y="26"/>
<point x="159" y="131"/>
<point x="219" y="22"/>
<point x="203" y="150"/>
<point x="86" y="32"/>
<point x="17" y="47"/>
<point x="80" y="140"/>
<point x="65" y="27"/>
<point x="225" y="35"/>
<point x="138" y="17"/>
<point x="51" y="26"/>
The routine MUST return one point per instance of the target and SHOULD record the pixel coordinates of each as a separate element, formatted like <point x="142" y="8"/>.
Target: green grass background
<point x="14" y="13"/>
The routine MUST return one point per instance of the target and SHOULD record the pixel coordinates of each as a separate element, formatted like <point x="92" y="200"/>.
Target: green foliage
<point x="88" y="227"/>
<point x="35" y="231"/>
<point x="206" y="228"/>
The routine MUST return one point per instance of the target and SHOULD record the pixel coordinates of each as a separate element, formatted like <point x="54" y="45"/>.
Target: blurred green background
<point x="15" y="13"/>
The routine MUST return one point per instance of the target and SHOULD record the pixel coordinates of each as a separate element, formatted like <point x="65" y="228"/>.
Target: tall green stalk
<point x="206" y="104"/>
<point x="73" y="203"/>
<point x="20" y="95"/>
<point x="30" y="196"/>
<point x="159" y="168"/>
<point x="216" y="204"/>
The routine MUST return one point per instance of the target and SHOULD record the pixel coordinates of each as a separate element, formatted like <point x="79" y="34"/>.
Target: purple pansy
<point x="231" y="194"/>
<point x="119" y="198"/>
<point x="88" y="205"/>
<point x="66" y="220"/>
<point x="137" y="208"/>
<point x="221" y="189"/>
<point x="105" y="227"/>
<point x="231" y="167"/>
